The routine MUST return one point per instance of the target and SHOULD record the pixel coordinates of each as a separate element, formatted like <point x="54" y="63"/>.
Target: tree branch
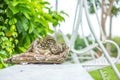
<point x="109" y="10"/>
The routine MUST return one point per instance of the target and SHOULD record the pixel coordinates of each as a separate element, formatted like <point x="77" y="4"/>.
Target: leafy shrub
<point x="113" y="48"/>
<point x="21" y="21"/>
<point x="80" y="42"/>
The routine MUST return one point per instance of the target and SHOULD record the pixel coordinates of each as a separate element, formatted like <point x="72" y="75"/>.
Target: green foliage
<point x="21" y="21"/>
<point x="80" y="43"/>
<point x="115" y="7"/>
<point x="117" y="40"/>
<point x="113" y="48"/>
<point x="59" y="38"/>
<point x="91" y="8"/>
<point x="108" y="73"/>
<point x="115" y="10"/>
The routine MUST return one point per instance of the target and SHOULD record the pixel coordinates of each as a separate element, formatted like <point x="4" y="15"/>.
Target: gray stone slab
<point x="45" y="72"/>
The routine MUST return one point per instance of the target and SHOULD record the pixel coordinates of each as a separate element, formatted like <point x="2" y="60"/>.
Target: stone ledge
<point x="45" y="72"/>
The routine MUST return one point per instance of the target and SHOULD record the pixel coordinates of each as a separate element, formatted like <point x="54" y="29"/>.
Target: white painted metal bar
<point x="56" y="5"/>
<point x="75" y="15"/>
<point x="76" y="26"/>
<point x="87" y="43"/>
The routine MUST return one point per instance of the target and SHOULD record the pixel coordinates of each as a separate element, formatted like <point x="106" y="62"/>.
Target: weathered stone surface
<point x="45" y="72"/>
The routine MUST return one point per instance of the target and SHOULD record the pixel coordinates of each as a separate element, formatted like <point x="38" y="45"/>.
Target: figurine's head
<point x="46" y="42"/>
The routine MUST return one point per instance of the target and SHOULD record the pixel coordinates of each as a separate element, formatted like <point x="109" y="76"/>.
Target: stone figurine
<point x="45" y="50"/>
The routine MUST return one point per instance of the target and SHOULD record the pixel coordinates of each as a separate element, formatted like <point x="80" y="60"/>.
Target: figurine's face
<point x="50" y="44"/>
<point x="46" y="43"/>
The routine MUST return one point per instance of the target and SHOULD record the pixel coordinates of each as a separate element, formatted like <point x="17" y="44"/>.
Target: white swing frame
<point x="76" y="24"/>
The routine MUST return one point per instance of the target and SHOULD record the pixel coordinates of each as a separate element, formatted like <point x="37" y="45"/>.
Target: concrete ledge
<point x="45" y="72"/>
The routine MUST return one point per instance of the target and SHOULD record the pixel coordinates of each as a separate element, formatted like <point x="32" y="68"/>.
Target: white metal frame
<point x="98" y="41"/>
<point x="77" y="22"/>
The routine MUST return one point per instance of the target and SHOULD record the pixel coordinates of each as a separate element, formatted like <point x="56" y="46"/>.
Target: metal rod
<point x="56" y="5"/>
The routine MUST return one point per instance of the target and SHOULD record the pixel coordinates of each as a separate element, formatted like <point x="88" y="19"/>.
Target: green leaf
<point x="37" y="34"/>
<point x="49" y="30"/>
<point x="1" y="18"/>
<point x="22" y="49"/>
<point x="9" y="13"/>
<point x="3" y="54"/>
<point x="45" y="2"/>
<point x="2" y="11"/>
<point x="9" y="33"/>
<point x="19" y="27"/>
<point x="16" y="41"/>
<point x="4" y="39"/>
<point x="15" y="3"/>
<point x="13" y="28"/>
<point x="14" y="10"/>
<point x="64" y="13"/>
<point x="14" y="34"/>
<point x="12" y="21"/>
<point x="48" y="16"/>
<point x="55" y="23"/>
<point x="26" y="45"/>
<point x="26" y="15"/>
<point x="42" y="21"/>
<point x="2" y="62"/>
<point x="24" y="23"/>
<point x="31" y="27"/>
<point x="24" y="8"/>
<point x="2" y="34"/>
